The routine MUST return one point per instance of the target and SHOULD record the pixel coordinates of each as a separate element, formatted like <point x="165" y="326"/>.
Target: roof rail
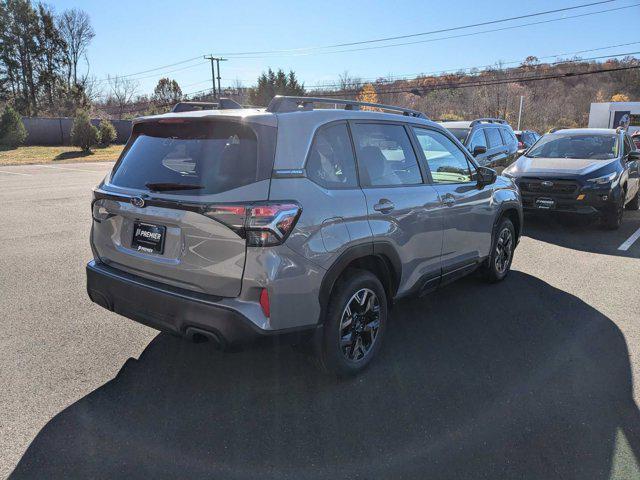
<point x="488" y="120"/>
<point x="222" y="104"/>
<point x="283" y="104"/>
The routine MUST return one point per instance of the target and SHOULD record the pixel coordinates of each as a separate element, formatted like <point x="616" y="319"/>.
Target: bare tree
<point x="348" y="84"/>
<point x="122" y="92"/>
<point x="77" y="32"/>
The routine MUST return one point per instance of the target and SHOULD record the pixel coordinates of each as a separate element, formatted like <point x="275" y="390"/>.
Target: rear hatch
<point x="169" y="210"/>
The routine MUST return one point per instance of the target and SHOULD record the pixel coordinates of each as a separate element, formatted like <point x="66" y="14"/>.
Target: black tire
<point x="612" y="218"/>
<point x="332" y="353"/>
<point x="634" y="204"/>
<point x="498" y="264"/>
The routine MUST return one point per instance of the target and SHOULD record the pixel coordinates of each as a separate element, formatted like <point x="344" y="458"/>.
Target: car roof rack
<point x="222" y="104"/>
<point x="285" y="104"/>
<point x="488" y="120"/>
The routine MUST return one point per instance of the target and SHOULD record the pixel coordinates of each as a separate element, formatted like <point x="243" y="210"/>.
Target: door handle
<point x="384" y="206"/>
<point x="449" y="200"/>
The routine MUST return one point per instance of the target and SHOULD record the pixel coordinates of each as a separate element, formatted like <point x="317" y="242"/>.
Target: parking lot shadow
<point x="515" y="380"/>
<point x="579" y="233"/>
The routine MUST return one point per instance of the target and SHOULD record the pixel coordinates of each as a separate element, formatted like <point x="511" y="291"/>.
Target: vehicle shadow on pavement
<point x="585" y="234"/>
<point x="514" y="380"/>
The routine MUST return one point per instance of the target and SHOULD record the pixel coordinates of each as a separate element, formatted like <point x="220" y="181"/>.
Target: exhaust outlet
<point x="198" y="335"/>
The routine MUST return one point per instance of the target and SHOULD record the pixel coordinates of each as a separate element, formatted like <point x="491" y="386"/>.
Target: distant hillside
<point x="555" y="94"/>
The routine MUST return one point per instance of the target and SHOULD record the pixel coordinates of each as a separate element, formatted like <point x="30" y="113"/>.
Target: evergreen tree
<point x="273" y="83"/>
<point x="83" y="134"/>
<point x="12" y="131"/>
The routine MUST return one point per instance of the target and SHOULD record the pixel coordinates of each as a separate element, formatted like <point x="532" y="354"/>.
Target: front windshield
<point x="570" y="145"/>
<point x="460" y="133"/>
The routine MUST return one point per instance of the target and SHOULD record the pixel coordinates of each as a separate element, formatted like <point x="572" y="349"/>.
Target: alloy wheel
<point x="359" y="324"/>
<point x="504" y="249"/>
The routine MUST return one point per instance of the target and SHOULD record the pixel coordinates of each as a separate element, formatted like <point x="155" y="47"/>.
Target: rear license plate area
<point x="545" y="203"/>
<point x="148" y="238"/>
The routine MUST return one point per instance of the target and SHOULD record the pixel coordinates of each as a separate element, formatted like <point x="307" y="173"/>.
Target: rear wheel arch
<point x="378" y="258"/>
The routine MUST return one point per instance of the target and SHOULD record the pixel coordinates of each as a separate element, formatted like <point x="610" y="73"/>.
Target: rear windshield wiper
<point x="158" y="187"/>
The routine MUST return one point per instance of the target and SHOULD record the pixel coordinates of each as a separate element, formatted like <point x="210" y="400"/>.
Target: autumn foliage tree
<point x="620" y="97"/>
<point x="368" y="94"/>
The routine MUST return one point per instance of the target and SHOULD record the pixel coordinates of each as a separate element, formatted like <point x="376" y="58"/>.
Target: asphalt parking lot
<point x="530" y="378"/>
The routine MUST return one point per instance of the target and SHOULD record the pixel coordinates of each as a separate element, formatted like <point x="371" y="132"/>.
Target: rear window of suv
<point x="191" y="157"/>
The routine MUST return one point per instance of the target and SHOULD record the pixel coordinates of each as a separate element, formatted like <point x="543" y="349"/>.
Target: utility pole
<point x="520" y="111"/>
<point x="211" y="58"/>
<point x="218" y="60"/>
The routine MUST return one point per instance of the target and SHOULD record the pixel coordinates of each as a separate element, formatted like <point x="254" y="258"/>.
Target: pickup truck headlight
<point x="604" y="179"/>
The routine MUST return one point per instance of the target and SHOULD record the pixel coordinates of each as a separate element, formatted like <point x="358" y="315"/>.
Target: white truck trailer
<point x="611" y="114"/>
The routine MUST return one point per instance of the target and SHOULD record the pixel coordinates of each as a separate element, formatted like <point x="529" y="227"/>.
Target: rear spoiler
<point x="222" y="104"/>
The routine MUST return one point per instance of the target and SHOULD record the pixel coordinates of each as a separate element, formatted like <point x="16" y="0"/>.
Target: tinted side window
<point x="506" y="138"/>
<point x="477" y="140"/>
<point x="385" y="155"/>
<point x="628" y="146"/>
<point x="331" y="162"/>
<point x="448" y="164"/>
<point x="493" y="137"/>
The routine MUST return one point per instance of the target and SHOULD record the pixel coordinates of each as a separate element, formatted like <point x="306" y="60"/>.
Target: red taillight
<point x="264" y="303"/>
<point x="263" y="225"/>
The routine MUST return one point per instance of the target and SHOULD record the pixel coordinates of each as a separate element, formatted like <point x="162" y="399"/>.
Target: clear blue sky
<point x="132" y="36"/>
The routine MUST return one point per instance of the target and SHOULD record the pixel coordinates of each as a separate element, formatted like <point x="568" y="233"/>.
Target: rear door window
<point x="493" y="137"/>
<point x="331" y="163"/>
<point x="478" y="140"/>
<point x="506" y="140"/>
<point x="385" y="155"/>
<point x="191" y="158"/>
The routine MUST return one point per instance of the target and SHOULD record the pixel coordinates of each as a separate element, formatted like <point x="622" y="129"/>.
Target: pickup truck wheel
<point x="499" y="262"/>
<point x="634" y="204"/>
<point x="354" y="325"/>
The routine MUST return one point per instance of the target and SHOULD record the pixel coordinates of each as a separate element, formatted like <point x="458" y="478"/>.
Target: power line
<point x="135" y="74"/>
<point x="461" y="70"/>
<point x="412" y="76"/>
<point x="106" y="80"/>
<point x="412" y="35"/>
<point x="422" y="89"/>
<point x="464" y="35"/>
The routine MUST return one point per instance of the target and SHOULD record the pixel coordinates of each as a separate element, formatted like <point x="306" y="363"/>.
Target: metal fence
<point x="57" y="131"/>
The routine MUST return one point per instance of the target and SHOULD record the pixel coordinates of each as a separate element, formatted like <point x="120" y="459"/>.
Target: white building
<point x="609" y="114"/>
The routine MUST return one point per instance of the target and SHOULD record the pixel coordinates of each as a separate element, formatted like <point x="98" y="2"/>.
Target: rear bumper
<point x="169" y="309"/>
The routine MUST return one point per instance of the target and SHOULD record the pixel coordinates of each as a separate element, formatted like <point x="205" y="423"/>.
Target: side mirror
<point x="479" y="150"/>
<point x="486" y="176"/>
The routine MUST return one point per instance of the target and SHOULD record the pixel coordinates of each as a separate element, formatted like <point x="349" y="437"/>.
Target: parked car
<point x="232" y="224"/>
<point x="490" y="140"/>
<point x="526" y="139"/>
<point x="583" y="170"/>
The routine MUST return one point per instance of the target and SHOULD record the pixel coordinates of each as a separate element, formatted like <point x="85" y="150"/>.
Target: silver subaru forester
<point x="233" y="223"/>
